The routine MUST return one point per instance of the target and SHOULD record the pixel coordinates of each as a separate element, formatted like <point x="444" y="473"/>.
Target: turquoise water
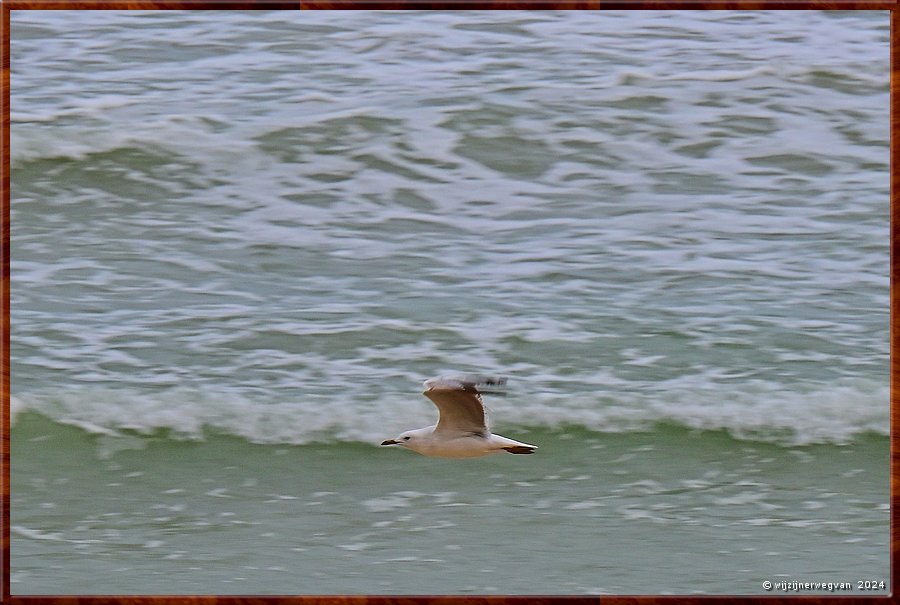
<point x="237" y="254"/>
<point x="663" y="511"/>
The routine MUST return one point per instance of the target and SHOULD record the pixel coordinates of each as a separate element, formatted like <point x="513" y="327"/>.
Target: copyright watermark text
<point x="794" y="586"/>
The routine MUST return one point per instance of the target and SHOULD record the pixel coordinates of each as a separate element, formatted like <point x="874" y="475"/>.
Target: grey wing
<point x="461" y="410"/>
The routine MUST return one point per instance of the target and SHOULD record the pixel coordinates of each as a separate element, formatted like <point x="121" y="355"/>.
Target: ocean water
<point x="241" y="241"/>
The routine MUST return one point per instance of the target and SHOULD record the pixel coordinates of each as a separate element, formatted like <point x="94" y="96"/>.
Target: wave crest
<point x="757" y="412"/>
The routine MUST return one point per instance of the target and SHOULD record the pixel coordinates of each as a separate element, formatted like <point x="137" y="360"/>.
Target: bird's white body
<point x="426" y="442"/>
<point x="462" y="430"/>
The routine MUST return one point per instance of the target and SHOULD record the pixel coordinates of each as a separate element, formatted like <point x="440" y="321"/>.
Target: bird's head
<point x="410" y="439"/>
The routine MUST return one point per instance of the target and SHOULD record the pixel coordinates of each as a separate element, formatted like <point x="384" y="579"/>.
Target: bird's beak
<point x="390" y="442"/>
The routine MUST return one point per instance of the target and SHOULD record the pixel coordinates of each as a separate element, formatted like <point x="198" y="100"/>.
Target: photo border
<point x="9" y="5"/>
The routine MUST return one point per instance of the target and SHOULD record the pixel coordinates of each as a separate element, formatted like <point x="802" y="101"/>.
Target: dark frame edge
<point x="894" y="293"/>
<point x="889" y="5"/>
<point x="6" y="6"/>
<point x="5" y="198"/>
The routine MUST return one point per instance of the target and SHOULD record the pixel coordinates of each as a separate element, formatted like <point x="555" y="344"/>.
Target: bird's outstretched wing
<point x="459" y="402"/>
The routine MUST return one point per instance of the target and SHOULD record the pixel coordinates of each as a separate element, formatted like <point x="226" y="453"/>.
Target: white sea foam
<point x="754" y="411"/>
<point x="280" y="252"/>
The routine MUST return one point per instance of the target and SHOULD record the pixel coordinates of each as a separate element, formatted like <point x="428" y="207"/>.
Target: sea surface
<point x="242" y="240"/>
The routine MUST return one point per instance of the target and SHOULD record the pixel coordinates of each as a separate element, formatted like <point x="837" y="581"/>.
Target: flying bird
<point x="462" y="430"/>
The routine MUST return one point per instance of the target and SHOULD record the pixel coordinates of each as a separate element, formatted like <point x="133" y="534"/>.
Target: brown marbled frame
<point x="8" y="5"/>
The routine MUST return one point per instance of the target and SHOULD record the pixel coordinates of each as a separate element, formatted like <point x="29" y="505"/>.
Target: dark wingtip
<point x="520" y="449"/>
<point x="488" y="385"/>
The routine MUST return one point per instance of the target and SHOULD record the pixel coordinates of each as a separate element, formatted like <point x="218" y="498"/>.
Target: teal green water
<point x="667" y="511"/>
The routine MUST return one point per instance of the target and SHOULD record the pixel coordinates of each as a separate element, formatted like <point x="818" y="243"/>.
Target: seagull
<point x="461" y="431"/>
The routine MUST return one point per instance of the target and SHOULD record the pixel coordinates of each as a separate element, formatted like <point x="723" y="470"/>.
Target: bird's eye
<point x="406" y="438"/>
